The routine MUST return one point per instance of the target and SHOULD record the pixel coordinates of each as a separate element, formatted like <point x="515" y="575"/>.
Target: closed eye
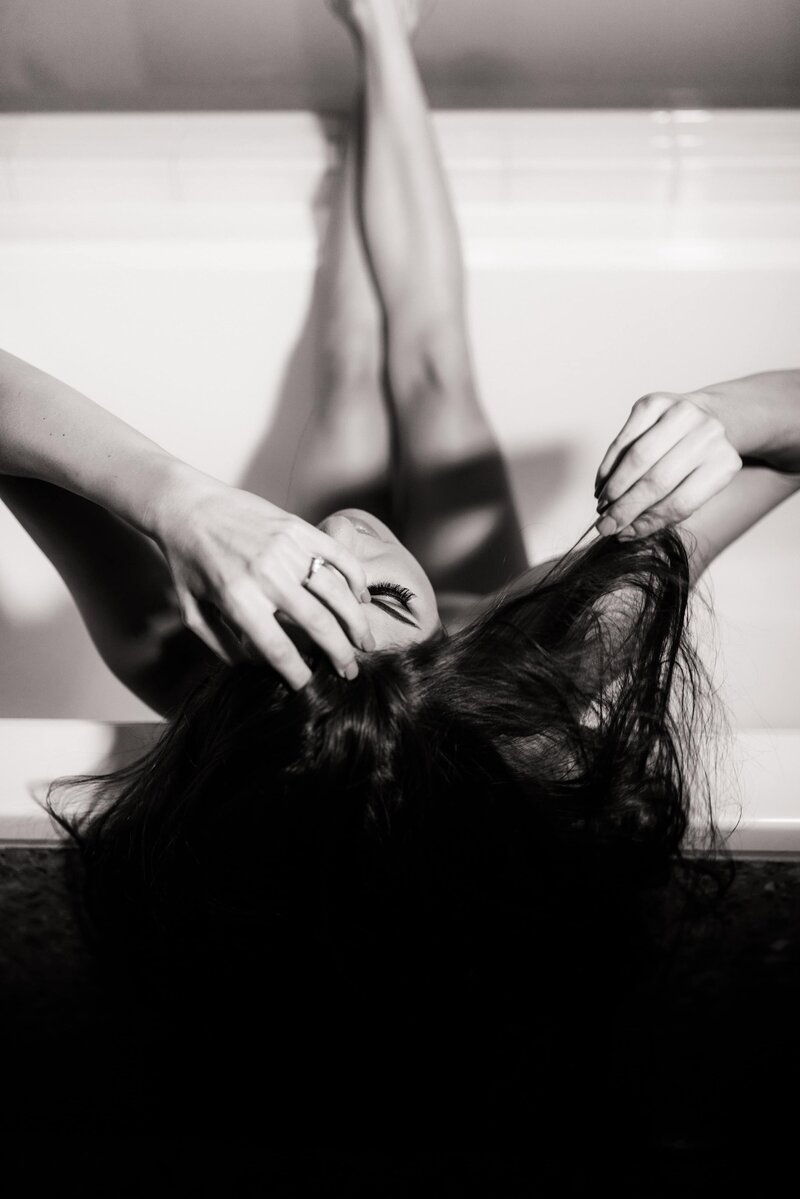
<point x="400" y="593"/>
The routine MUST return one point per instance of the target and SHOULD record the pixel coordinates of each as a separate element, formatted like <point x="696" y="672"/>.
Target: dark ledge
<point x="717" y="1050"/>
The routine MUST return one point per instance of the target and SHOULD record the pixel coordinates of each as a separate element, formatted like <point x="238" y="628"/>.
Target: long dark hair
<point x="466" y="806"/>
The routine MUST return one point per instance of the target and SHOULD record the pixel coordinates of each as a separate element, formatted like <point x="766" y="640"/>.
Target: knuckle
<point x="614" y="489"/>
<point x="320" y="625"/>
<point x="655" y="399"/>
<point x="645" y="486"/>
<point x="275" y="549"/>
<point x="263" y="568"/>
<point x="264" y="562"/>
<point x="656" y="482"/>
<point x="229" y="592"/>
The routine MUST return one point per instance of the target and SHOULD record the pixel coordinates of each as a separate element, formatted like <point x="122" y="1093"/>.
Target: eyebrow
<point x="397" y="615"/>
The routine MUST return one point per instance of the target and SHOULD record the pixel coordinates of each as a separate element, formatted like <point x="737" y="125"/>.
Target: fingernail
<point x="627" y="535"/>
<point x="366" y="598"/>
<point x="368" y="642"/>
<point x="606" y="526"/>
<point x="351" y="672"/>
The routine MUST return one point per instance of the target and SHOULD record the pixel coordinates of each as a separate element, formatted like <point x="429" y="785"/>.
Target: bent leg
<point x="343" y="458"/>
<point x="455" y="499"/>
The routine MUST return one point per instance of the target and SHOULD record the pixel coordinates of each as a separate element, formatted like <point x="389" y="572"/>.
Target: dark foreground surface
<point x="700" y="1095"/>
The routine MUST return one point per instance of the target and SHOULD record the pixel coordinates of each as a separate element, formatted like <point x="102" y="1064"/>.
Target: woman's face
<point x="403" y="607"/>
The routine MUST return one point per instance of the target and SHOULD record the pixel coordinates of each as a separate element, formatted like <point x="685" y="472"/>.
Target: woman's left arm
<point x="678" y="459"/>
<point x="760" y="415"/>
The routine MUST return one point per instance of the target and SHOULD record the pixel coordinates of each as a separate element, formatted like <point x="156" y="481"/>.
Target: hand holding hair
<point x="670" y="457"/>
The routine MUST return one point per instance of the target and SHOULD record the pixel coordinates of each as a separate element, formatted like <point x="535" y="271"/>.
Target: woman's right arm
<point x="223" y="550"/>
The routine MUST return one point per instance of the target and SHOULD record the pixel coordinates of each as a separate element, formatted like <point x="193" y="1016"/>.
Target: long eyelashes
<point x="401" y="593"/>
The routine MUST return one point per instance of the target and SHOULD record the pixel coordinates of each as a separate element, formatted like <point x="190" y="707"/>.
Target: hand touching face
<point x="237" y="562"/>
<point x="403" y="607"/>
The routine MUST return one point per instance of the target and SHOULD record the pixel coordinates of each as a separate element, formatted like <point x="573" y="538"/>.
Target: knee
<point x="351" y="361"/>
<point x="429" y="361"/>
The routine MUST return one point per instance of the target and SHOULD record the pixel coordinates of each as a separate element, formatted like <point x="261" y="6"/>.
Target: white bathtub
<point x="761" y="820"/>
<point x="163" y="264"/>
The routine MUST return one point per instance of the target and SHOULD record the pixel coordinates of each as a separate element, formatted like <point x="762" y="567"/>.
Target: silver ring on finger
<point x="316" y="563"/>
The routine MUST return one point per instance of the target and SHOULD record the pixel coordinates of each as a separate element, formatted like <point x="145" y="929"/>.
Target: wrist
<point x="174" y="485"/>
<point x="715" y="402"/>
<point x="760" y="415"/>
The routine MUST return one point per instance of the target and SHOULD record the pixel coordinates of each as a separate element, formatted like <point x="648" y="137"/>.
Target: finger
<point x="323" y="628"/>
<point x="330" y="587"/>
<point x="255" y="615"/>
<point x="645" y="412"/>
<point x="650" y="446"/>
<point x="695" y="490"/>
<point x="288" y="594"/>
<point x="662" y="478"/>
<point x="339" y="556"/>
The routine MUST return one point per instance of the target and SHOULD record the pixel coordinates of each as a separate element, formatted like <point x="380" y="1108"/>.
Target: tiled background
<point x="163" y="265"/>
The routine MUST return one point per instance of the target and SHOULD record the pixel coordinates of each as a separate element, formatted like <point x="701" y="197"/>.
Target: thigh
<point x="459" y="515"/>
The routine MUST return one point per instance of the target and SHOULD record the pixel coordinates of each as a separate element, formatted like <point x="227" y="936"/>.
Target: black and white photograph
<point x="399" y="597"/>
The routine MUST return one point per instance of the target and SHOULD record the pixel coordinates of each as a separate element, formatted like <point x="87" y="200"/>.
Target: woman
<point x="399" y="758"/>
